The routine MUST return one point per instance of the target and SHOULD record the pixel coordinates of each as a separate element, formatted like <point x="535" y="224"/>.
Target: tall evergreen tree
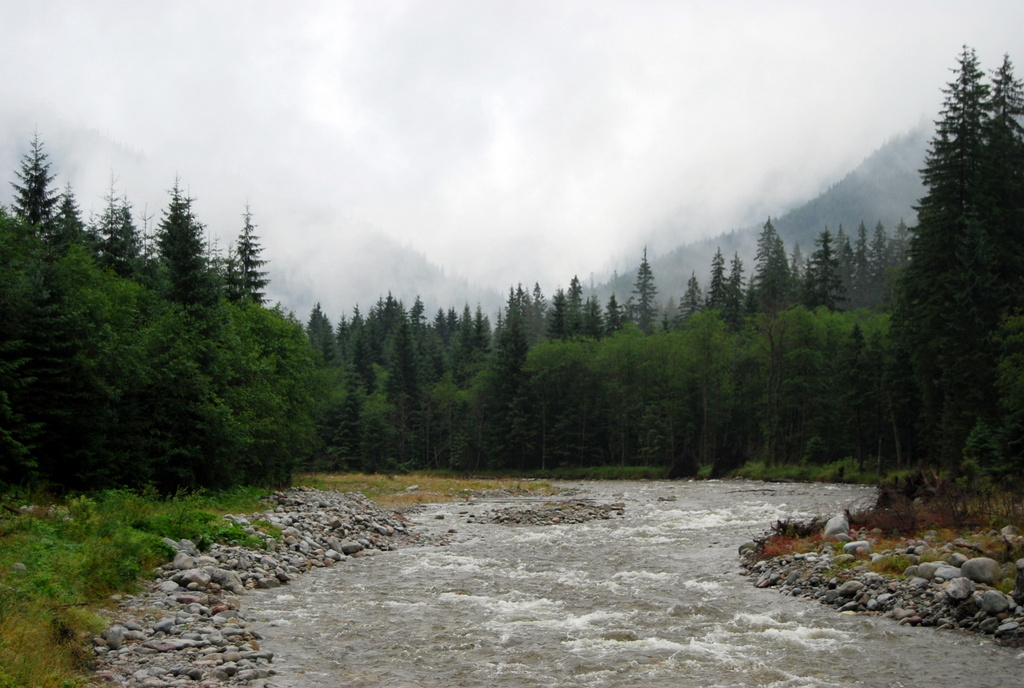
<point x="252" y="279"/>
<point x="770" y="285"/>
<point x="645" y="293"/>
<point x="732" y="313"/>
<point x="716" y="297"/>
<point x="693" y="299"/>
<point x="120" y="245"/>
<point x="35" y="201"/>
<point x="823" y="285"/>
<point x="68" y="227"/>
<point x="949" y="311"/>
<point x="182" y="250"/>
<point x="613" y="316"/>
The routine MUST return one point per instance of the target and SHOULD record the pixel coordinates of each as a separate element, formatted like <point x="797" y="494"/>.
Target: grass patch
<point x="843" y="471"/>
<point x="391" y="491"/>
<point x="61" y="560"/>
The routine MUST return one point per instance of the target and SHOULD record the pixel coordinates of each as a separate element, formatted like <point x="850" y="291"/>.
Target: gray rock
<point x="960" y="589"/>
<point x="911" y="571"/>
<point x="836" y="526"/>
<point x="197" y="576"/>
<point x="114" y="637"/>
<point x="188" y="547"/>
<point x="167" y="587"/>
<point x="982" y="570"/>
<point x="956" y="559"/>
<point x="994" y="602"/>
<point x="850" y="588"/>
<point x="164" y="625"/>
<point x="183" y="561"/>
<point x="351" y="547"/>
<point x="19" y="568"/>
<point x="928" y="569"/>
<point x="948" y="573"/>
<point x="855" y="546"/>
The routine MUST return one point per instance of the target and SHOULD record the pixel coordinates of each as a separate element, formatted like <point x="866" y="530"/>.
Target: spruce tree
<point x="182" y="251"/>
<point x="770" y="284"/>
<point x="252" y="279"/>
<point x="613" y="316"/>
<point x="823" y="284"/>
<point x="716" y="297"/>
<point x="35" y="201"/>
<point x="68" y="227"/>
<point x="693" y="299"/>
<point x="645" y="292"/>
<point x="949" y="310"/>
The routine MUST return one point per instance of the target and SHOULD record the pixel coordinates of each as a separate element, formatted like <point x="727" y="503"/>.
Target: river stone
<point x="850" y="588"/>
<point x="960" y="589"/>
<point x="197" y="576"/>
<point x="843" y="559"/>
<point x="982" y="570"/>
<point x="188" y="547"/>
<point x="183" y="561"/>
<point x="948" y="573"/>
<point x="928" y="569"/>
<point x="994" y="602"/>
<point x="956" y="559"/>
<point x="838" y="525"/>
<point x="911" y="571"/>
<point x="855" y="547"/>
<point x="351" y="547"/>
<point x="114" y="637"/>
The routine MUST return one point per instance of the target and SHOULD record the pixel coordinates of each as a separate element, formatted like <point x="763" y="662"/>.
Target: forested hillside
<point x="135" y="360"/>
<point x="882" y="190"/>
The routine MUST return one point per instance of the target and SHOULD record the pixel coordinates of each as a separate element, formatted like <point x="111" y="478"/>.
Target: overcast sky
<point x="507" y="141"/>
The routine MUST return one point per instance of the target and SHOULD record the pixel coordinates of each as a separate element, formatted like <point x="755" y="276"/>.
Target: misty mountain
<point x="884" y="188"/>
<point x="361" y="266"/>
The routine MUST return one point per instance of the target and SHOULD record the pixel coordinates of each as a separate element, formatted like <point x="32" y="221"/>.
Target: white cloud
<point x="524" y="141"/>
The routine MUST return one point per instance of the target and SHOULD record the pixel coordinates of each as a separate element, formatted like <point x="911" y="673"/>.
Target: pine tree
<point x="120" y="246"/>
<point x="183" y="253"/>
<point x="252" y="280"/>
<point x="645" y="292"/>
<point x="716" y="297"/>
<point x="844" y="256"/>
<point x="732" y="313"/>
<point x="35" y="201"/>
<point x="613" y="316"/>
<point x="693" y="299"/>
<point x="949" y="309"/>
<point x="68" y="228"/>
<point x="321" y="335"/>
<point x="823" y="285"/>
<point x="770" y="284"/>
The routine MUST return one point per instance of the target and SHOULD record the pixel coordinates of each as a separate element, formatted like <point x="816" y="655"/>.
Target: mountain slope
<point x="884" y="188"/>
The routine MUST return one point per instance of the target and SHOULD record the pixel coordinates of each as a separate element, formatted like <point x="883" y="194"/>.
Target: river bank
<point x="944" y="585"/>
<point x="190" y="626"/>
<point x="604" y="584"/>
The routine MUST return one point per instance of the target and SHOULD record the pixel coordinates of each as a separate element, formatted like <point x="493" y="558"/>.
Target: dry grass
<point x="392" y="491"/>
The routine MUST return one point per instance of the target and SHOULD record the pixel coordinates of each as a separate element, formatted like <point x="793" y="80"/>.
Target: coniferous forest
<point x="130" y="360"/>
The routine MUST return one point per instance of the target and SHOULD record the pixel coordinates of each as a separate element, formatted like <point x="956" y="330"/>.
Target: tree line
<point x="134" y="359"/>
<point x="129" y="359"/>
<point x="896" y="349"/>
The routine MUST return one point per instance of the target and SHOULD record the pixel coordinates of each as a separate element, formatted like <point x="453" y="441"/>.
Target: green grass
<point x="843" y="471"/>
<point x="61" y="560"/>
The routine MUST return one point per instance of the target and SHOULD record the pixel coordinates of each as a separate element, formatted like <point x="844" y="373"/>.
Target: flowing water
<point x="652" y="598"/>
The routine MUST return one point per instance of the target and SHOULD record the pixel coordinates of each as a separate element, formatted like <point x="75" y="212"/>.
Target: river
<point x="652" y="598"/>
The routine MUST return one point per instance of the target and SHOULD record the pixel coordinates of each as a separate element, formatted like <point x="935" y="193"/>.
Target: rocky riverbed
<point x="190" y="627"/>
<point x="945" y="585"/>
